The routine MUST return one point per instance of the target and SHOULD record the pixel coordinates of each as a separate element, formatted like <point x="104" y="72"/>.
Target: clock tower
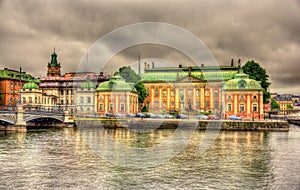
<point x="53" y="66"/>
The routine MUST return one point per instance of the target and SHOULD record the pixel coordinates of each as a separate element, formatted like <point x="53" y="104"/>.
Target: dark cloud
<point x="265" y="31"/>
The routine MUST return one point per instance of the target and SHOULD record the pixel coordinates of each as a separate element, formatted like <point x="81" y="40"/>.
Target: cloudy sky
<point x="265" y="31"/>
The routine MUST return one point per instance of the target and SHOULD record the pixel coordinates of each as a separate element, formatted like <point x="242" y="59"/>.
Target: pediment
<point x="190" y="78"/>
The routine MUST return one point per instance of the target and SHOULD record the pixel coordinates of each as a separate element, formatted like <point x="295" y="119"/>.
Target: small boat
<point x="294" y="118"/>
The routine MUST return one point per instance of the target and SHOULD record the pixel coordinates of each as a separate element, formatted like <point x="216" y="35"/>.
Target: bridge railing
<point x="33" y="109"/>
<point x="8" y="108"/>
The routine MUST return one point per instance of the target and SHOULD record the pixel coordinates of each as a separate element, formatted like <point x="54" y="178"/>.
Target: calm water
<point x="61" y="159"/>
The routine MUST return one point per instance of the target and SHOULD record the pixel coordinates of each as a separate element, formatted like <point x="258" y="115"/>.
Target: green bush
<point x="206" y="112"/>
<point x="145" y="109"/>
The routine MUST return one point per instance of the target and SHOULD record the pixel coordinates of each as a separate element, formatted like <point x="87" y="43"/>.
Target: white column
<point x="117" y="103"/>
<point x="202" y="96"/>
<point x="168" y="98"/>
<point x="160" y="98"/>
<point x="106" y="103"/>
<point x="185" y="97"/>
<point x="248" y="104"/>
<point x="194" y="97"/>
<point x="211" y="98"/>
<point x="127" y="102"/>
<point x="152" y="97"/>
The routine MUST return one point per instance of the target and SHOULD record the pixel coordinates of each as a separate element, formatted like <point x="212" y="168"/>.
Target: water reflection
<point x="60" y="158"/>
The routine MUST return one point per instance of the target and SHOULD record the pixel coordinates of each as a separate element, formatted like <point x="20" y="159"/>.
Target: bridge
<point x="18" y="120"/>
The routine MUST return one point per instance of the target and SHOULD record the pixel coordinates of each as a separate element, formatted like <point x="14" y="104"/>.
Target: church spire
<point x="54" y="58"/>
<point x="53" y="66"/>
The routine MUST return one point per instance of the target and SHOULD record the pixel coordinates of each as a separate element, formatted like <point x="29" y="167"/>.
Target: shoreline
<point x="229" y="125"/>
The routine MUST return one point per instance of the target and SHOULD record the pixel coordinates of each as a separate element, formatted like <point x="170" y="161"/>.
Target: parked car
<point x="168" y="116"/>
<point x="150" y="115"/>
<point x="140" y="115"/>
<point x="160" y="116"/>
<point x="202" y="117"/>
<point x="119" y="115"/>
<point x="212" y="117"/>
<point x="130" y="115"/>
<point x="234" y="117"/>
<point x="109" y="115"/>
<point x="181" y="116"/>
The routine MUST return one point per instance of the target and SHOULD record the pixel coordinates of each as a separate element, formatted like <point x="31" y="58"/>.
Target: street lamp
<point x="66" y="103"/>
<point x="20" y="87"/>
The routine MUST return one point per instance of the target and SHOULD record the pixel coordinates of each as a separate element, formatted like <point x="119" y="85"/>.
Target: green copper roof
<point x="87" y="84"/>
<point x="186" y="68"/>
<point x="173" y="76"/>
<point x="54" y="62"/>
<point x="30" y="85"/>
<point x="241" y="81"/>
<point x="115" y="83"/>
<point x="15" y="75"/>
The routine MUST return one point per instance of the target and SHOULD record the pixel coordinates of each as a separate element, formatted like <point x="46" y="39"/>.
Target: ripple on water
<point x="43" y="159"/>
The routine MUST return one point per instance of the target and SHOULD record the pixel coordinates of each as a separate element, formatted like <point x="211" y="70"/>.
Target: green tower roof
<point x="54" y="62"/>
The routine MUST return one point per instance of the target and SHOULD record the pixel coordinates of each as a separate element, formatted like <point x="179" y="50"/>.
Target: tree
<point x="145" y="109"/>
<point x="130" y="76"/>
<point x="289" y="106"/>
<point x="274" y="104"/>
<point x="256" y="72"/>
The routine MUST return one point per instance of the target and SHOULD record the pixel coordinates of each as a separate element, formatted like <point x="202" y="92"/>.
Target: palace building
<point x="186" y="88"/>
<point x="116" y="96"/>
<point x="203" y="89"/>
<point x="243" y="97"/>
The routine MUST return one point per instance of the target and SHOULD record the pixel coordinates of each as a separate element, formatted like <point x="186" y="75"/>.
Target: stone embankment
<point x="174" y="123"/>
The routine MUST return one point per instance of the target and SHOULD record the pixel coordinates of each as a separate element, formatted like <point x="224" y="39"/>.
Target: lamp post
<point x="66" y="103"/>
<point x="20" y="123"/>
<point x="20" y="87"/>
<point x="125" y="106"/>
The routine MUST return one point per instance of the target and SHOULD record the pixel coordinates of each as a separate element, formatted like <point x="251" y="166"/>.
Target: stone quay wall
<point x="174" y="123"/>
